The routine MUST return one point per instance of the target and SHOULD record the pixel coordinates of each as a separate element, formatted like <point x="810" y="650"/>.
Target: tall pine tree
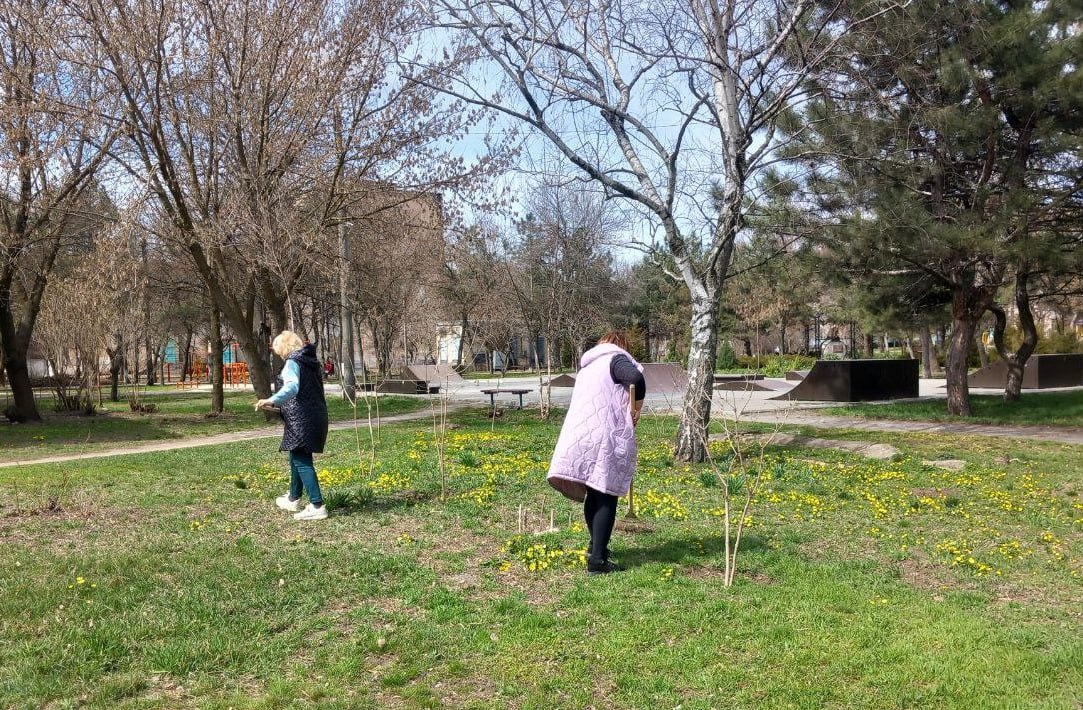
<point x="948" y="136"/>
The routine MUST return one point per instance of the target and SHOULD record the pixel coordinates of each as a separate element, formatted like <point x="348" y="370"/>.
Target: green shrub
<point x="1053" y="342"/>
<point x="727" y="359"/>
<point x="776" y="365"/>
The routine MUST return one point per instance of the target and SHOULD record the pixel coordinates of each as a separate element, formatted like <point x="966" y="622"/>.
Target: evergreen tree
<point x="951" y="137"/>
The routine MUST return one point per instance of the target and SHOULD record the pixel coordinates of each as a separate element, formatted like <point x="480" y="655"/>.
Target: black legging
<point x="600" y="511"/>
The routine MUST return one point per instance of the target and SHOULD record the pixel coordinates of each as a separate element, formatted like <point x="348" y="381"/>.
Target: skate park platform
<point x="856" y="381"/>
<point x="1041" y="372"/>
<point x="749" y="383"/>
<point x="433" y="374"/>
<point x="665" y="377"/>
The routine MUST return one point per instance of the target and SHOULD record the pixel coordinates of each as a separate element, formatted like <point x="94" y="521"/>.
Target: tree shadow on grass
<point x="686" y="550"/>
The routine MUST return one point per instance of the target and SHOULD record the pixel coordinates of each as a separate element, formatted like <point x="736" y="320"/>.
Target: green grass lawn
<point x="179" y="415"/>
<point x="1051" y="408"/>
<point x="171" y="581"/>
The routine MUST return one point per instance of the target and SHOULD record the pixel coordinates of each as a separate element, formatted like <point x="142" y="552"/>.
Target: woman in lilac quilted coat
<point x="595" y="456"/>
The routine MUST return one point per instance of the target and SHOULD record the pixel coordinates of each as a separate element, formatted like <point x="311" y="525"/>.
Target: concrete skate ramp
<point x="796" y="375"/>
<point x="743" y="377"/>
<point x="562" y="381"/>
<point x="407" y="387"/>
<point x="1040" y="372"/>
<point x="857" y="381"/>
<point x="762" y="385"/>
<point x="665" y="377"/>
<point x="435" y="374"/>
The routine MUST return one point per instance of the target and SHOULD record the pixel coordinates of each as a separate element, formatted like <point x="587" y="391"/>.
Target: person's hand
<point x="263" y="404"/>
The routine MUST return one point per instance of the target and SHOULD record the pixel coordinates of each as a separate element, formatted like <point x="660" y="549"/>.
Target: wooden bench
<point x="493" y="392"/>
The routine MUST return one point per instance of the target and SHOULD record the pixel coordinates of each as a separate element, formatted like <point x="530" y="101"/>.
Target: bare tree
<point x="672" y="106"/>
<point x="88" y="301"/>
<point x="468" y="278"/>
<point x="253" y="123"/>
<point x="52" y="143"/>
<point x="558" y="270"/>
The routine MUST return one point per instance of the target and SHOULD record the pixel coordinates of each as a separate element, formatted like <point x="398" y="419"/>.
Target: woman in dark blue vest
<point x="299" y="395"/>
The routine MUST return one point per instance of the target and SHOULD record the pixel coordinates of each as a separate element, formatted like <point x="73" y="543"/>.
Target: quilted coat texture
<point x="305" y="415"/>
<point x="597" y="446"/>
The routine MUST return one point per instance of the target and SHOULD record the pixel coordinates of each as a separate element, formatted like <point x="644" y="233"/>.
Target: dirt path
<point x="268" y="432"/>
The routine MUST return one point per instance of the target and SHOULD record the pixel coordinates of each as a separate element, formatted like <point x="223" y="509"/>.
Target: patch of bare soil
<point x="633" y="525"/>
<point x="471" y="691"/>
<point x="62" y="522"/>
<point x="920" y="572"/>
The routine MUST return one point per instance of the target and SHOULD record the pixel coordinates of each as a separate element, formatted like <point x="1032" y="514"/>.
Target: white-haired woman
<point x="299" y="395"/>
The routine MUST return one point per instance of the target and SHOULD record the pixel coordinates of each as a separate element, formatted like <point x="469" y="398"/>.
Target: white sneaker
<point x="311" y="513"/>
<point x="285" y="503"/>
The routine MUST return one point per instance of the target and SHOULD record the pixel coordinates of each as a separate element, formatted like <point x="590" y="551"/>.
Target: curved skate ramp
<point x="751" y="385"/>
<point x="1040" y="372"/>
<point x="856" y="381"/>
<point x="564" y="380"/>
<point x="664" y="377"/>
<point x="435" y="374"/>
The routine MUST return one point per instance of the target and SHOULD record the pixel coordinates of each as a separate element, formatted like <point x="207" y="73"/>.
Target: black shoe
<point x="605" y="568"/>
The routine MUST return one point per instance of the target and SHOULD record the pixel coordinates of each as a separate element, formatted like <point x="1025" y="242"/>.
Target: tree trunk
<point x="361" y="354"/>
<point x="909" y="346"/>
<point x="258" y="370"/>
<point x="152" y="363"/>
<point x="116" y="368"/>
<point x="870" y="346"/>
<point x="214" y="364"/>
<point x="962" y="335"/>
<point x="926" y="352"/>
<point x="346" y="375"/>
<point x="696" y="410"/>
<point x="1017" y="361"/>
<point x="16" y="367"/>
<point x="22" y="390"/>
<point x="189" y="332"/>
<point x="968" y="304"/>
<point x="464" y="323"/>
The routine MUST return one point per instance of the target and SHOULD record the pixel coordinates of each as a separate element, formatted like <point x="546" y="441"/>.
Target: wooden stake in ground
<point x="631" y="486"/>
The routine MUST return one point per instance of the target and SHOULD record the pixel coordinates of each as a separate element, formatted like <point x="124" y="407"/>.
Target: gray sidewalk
<point x="804" y="417"/>
<point x="268" y="432"/>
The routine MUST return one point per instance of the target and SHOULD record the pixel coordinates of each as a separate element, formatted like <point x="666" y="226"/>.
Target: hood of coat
<point x="306" y="357"/>
<point x="599" y="351"/>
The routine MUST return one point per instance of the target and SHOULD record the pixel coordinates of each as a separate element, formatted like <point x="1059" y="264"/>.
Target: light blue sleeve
<point x="291" y="381"/>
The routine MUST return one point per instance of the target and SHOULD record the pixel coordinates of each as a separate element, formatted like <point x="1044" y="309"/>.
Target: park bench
<point x="494" y="392"/>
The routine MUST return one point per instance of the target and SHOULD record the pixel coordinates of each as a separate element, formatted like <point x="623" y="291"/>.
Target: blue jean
<point x="303" y="475"/>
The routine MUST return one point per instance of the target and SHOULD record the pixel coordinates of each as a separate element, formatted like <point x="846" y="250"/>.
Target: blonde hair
<point x="616" y="337"/>
<point x="286" y="342"/>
